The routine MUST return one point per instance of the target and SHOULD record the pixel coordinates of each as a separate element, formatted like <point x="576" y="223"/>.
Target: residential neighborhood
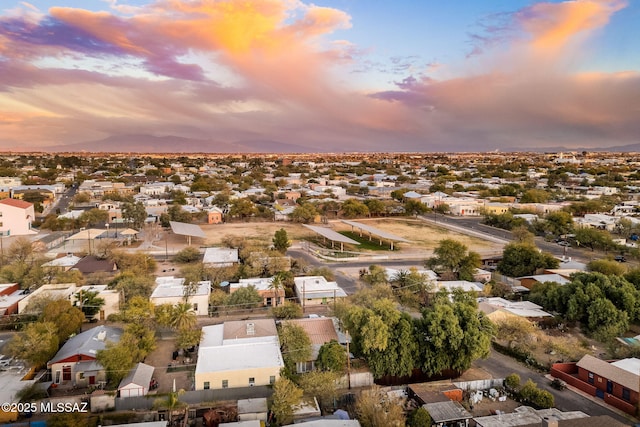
<point x="350" y="290"/>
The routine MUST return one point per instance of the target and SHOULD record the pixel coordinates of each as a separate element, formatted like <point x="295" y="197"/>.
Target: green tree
<point x="520" y="259"/>
<point x="286" y="395"/>
<point x="93" y="217"/>
<point x="37" y="343"/>
<point x="415" y="207"/>
<point x="295" y="345"/>
<point x="352" y="208"/>
<point x="376" y="207"/>
<point x="304" y="213"/>
<point x="182" y="317"/>
<point x="134" y="213"/>
<point x="242" y="208"/>
<point x="419" y="417"/>
<point x="452" y="260"/>
<point x="535" y="196"/>
<point x="188" y="255"/>
<point x="607" y="267"/>
<point x="558" y="223"/>
<point x="90" y="303"/>
<point x="67" y="318"/>
<point x="376" y="275"/>
<point x="512" y="382"/>
<point x="281" y="241"/>
<point x="133" y="284"/>
<point x="320" y="384"/>
<point x="594" y="239"/>
<point x="188" y="338"/>
<point x="332" y="357"/>
<point x="244" y="297"/>
<point x="288" y="310"/>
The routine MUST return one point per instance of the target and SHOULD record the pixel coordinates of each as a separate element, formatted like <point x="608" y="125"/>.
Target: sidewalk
<point x="596" y="400"/>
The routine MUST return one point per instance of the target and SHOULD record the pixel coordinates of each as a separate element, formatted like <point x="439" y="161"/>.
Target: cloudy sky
<point x="337" y="75"/>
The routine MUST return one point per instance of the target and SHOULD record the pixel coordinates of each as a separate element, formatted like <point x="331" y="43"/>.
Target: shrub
<point x="512" y="381"/>
<point x="187" y="255"/>
<point x="288" y="310"/>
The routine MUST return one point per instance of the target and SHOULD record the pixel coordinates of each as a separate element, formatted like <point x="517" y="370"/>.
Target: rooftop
<point x="171" y="287"/>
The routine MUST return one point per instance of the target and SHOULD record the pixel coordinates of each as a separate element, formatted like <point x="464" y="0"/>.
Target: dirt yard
<point x="161" y="358"/>
<point x="422" y="236"/>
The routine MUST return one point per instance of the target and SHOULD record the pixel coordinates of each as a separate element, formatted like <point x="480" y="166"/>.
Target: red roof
<point x="16" y="203"/>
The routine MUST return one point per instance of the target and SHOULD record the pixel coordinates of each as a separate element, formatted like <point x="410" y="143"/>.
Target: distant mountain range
<point x="132" y="143"/>
<point x="177" y="144"/>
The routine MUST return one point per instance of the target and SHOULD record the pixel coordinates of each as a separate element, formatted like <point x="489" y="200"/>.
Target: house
<point x="75" y="363"/>
<point x="64" y="263"/>
<point x="137" y="382"/>
<point x="264" y="288"/>
<point x="171" y="290"/>
<point x="16" y="217"/>
<point x="527" y="416"/>
<point x="91" y="264"/>
<point x="496" y="307"/>
<point x="111" y="299"/>
<point x="530" y="281"/>
<point x="465" y="285"/>
<point x="236" y="354"/>
<point x="10" y="295"/>
<point x="320" y="330"/>
<point x="214" y="215"/>
<point x="220" y="257"/>
<point x="52" y="292"/>
<point x="315" y="290"/>
<point x="617" y="383"/>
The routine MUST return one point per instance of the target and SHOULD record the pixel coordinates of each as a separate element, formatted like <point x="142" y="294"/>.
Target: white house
<point x="137" y="382"/>
<point x="16" y="217"/>
<point x="111" y="299"/>
<point x="315" y="290"/>
<point x="220" y="257"/>
<point x="238" y="354"/>
<point x="171" y="290"/>
<point x="52" y="292"/>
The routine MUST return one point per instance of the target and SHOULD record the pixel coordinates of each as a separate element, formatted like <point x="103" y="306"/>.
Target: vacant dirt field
<point x="421" y="235"/>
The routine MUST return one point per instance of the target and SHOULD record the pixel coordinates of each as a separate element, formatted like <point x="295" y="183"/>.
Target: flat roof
<point x="380" y="233"/>
<point x="330" y="234"/>
<point x="185" y="229"/>
<point x="89" y="233"/>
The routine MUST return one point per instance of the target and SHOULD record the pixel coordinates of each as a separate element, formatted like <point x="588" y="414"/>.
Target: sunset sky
<point x="339" y="75"/>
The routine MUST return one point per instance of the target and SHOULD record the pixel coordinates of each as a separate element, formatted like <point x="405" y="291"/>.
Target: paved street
<point x="499" y="366"/>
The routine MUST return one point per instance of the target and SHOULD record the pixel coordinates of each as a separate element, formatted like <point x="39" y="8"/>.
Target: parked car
<point x="620" y="258"/>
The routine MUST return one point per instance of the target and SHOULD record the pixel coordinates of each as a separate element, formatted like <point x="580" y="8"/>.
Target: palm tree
<point x="183" y="317"/>
<point x="276" y="284"/>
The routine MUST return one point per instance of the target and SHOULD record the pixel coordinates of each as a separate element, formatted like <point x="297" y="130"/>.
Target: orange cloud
<point x="552" y="25"/>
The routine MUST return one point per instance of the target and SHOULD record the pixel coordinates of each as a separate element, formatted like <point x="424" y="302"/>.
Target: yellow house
<point x="237" y="354"/>
<point x="495" y="208"/>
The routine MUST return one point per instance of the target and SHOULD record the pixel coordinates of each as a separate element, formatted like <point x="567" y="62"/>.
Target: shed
<point x="137" y="382"/>
<point x="446" y="413"/>
<point x="252" y="409"/>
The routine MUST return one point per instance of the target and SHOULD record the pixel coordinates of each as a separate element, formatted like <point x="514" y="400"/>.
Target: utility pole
<point x="348" y="362"/>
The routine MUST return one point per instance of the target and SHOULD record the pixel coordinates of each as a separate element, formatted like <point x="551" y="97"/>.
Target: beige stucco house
<point x="237" y="354"/>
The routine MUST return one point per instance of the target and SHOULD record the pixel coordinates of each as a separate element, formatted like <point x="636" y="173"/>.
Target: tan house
<point x="214" y="215"/>
<point x="237" y="354"/>
<point x="320" y="330"/>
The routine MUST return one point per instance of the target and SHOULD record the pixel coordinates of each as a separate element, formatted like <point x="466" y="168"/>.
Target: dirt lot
<point x="161" y="358"/>
<point x="422" y="236"/>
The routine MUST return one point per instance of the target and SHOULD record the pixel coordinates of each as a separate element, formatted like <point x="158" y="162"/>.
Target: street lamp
<point x="107" y="225"/>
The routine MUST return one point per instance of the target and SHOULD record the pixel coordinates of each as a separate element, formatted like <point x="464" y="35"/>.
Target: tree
<point x="352" y="208"/>
<point x="594" y="239"/>
<point x="182" y="317"/>
<point x="90" y="303"/>
<point x="134" y="213"/>
<point x="93" y="217"/>
<point x="607" y="267"/>
<point x="514" y="329"/>
<point x="37" y="343"/>
<point x="332" y="357"/>
<point x="512" y="382"/>
<point x="281" y="241"/>
<point x="188" y="255"/>
<point x="415" y="207"/>
<point x="244" y="297"/>
<point x="419" y="417"/>
<point x="376" y="275"/>
<point x="558" y="223"/>
<point x="521" y="259"/>
<point x="242" y="208"/>
<point x="133" y="284"/>
<point x="288" y="310"/>
<point x="67" y="318"/>
<point x="285" y="397"/>
<point x="375" y="409"/>
<point x="535" y="196"/>
<point x="295" y="345"/>
<point x="451" y="259"/>
<point x="320" y="384"/>
<point x="188" y="338"/>
<point x="522" y="235"/>
<point x="277" y="285"/>
<point x="376" y="207"/>
<point x="304" y="213"/>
